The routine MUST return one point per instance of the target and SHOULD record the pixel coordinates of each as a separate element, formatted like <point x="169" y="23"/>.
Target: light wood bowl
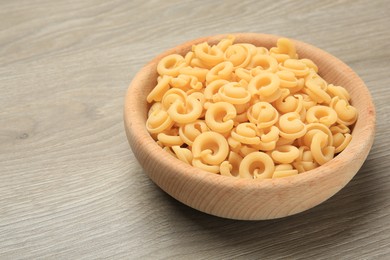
<point x="243" y="198"/>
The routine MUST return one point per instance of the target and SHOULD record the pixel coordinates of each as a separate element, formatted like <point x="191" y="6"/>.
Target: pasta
<point x="244" y="111"/>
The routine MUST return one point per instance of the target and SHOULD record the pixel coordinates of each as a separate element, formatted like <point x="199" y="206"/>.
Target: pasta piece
<point x="320" y="149"/>
<point x="284" y="170"/>
<point x="238" y="55"/>
<point x="340" y="141"/>
<point x="232" y="165"/>
<point x="289" y="81"/>
<point x="208" y="56"/>
<point x="171" y="65"/>
<point x="285" y="154"/>
<point x="234" y="93"/>
<point x="189" y="132"/>
<point x="297" y="67"/>
<point x="171" y="96"/>
<point x="223" y="70"/>
<point x="185" y="113"/>
<point x="346" y="114"/>
<point x="219" y="117"/>
<point x="321" y="114"/>
<point x="246" y="133"/>
<point x="305" y="161"/>
<point x="291" y="127"/>
<point x="313" y="128"/>
<point x="158" y="92"/>
<point x="266" y="86"/>
<point x="263" y="114"/>
<point x="211" y="91"/>
<point x="316" y="88"/>
<point x="264" y="62"/>
<point x="158" y="121"/>
<point x="183" y="154"/>
<point x="170" y="138"/>
<point x="285" y="46"/>
<point x="211" y="148"/>
<point x="256" y="165"/>
<point x="337" y="91"/>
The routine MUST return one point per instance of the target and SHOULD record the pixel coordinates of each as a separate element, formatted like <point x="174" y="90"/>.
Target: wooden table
<point x="70" y="187"/>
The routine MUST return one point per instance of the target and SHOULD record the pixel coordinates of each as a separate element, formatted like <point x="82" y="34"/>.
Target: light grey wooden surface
<point x="70" y="186"/>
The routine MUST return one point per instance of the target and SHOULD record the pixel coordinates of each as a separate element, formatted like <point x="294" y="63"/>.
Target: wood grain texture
<point x="69" y="184"/>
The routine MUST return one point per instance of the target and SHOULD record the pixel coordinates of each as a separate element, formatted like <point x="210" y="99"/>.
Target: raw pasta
<point x="244" y="111"/>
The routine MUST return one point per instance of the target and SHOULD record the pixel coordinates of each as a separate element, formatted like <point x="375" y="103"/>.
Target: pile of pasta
<point x="240" y="110"/>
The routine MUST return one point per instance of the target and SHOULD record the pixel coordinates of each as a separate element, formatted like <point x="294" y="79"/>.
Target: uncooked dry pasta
<point x="244" y="111"/>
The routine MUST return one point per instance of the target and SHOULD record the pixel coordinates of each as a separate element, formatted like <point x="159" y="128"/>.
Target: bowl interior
<point x="179" y="179"/>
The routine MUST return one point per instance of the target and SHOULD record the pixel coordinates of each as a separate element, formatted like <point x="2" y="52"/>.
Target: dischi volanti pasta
<point x="248" y="112"/>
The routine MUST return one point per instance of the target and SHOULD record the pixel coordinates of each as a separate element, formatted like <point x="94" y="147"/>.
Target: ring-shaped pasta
<point x="189" y="132"/>
<point x="346" y="114"/>
<point x="320" y="151"/>
<point x="268" y="139"/>
<point x="246" y="133"/>
<point x="256" y="165"/>
<point x="321" y="114"/>
<point x="209" y="56"/>
<point x="265" y="62"/>
<point x="252" y="49"/>
<point x="223" y="70"/>
<point x="266" y="86"/>
<point x="171" y="65"/>
<point x="211" y="90"/>
<point x="263" y="114"/>
<point x="299" y="68"/>
<point x="289" y="81"/>
<point x="311" y="129"/>
<point x="234" y="93"/>
<point x="291" y="127"/>
<point x="337" y="91"/>
<point x="224" y="44"/>
<point x="219" y="117"/>
<point x="285" y="154"/>
<point x="186" y="113"/>
<point x="158" y="121"/>
<point x="284" y="170"/>
<point x="287" y="103"/>
<point x="171" y="96"/>
<point x="340" y="141"/>
<point x="211" y="148"/>
<point x="316" y="88"/>
<point x="238" y="55"/>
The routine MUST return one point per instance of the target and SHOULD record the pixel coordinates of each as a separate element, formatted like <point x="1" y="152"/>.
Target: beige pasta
<point x="244" y="111"/>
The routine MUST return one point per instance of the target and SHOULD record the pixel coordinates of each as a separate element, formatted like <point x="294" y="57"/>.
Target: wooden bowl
<point x="243" y="198"/>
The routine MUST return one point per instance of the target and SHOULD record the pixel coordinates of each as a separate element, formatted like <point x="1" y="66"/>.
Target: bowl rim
<point x="132" y="119"/>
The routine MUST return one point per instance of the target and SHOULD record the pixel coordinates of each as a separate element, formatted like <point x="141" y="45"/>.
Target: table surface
<point x="70" y="186"/>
